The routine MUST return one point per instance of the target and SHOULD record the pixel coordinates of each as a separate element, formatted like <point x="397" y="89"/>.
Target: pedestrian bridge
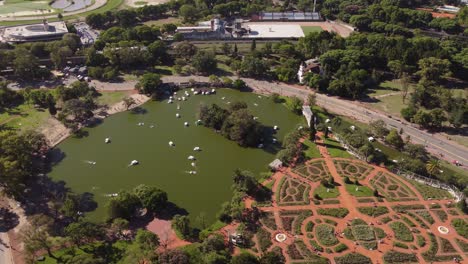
<point x="307" y="112"/>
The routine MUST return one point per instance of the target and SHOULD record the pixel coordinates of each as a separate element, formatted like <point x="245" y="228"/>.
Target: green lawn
<point x="110" y="98"/>
<point x="363" y="191"/>
<point x="322" y="192"/>
<point x="310" y="150"/>
<point x="310" y="29"/>
<point x="335" y="149"/>
<point x="24" y="117"/>
<point x="430" y="192"/>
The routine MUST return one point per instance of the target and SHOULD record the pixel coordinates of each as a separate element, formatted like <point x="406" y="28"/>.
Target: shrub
<point x="264" y="239"/>
<point x="353" y="258"/>
<point x="363" y="232"/>
<point x="379" y="232"/>
<point x="461" y="227"/>
<point x="402" y="232"/>
<point x="441" y="214"/>
<point x="421" y="241"/>
<point x="386" y="219"/>
<point x="373" y="211"/>
<point x="316" y="245"/>
<point x="331" y="222"/>
<point x="335" y="212"/>
<point x="400" y="245"/>
<point x="309" y="226"/>
<point x="348" y="233"/>
<point x="399" y="257"/>
<point x="326" y="235"/>
<point x="340" y="248"/>
<point x="446" y="246"/>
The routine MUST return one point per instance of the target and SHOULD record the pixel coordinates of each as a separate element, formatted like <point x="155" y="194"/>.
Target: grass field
<point x="322" y="192"/>
<point x="24" y="117"/>
<point x="362" y="191"/>
<point x="311" y="150"/>
<point x="335" y="149"/>
<point x="110" y="98"/>
<point x="310" y="29"/>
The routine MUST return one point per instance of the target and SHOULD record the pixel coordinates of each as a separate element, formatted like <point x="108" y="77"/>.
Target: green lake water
<point x="164" y="166"/>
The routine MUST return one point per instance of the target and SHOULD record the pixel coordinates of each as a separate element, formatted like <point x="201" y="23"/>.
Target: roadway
<point x="435" y="143"/>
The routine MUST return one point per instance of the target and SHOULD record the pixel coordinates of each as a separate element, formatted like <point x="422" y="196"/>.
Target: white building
<point x="34" y="32"/>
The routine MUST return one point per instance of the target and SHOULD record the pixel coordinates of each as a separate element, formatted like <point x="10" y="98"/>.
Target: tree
<point x="189" y="13"/>
<point x="253" y="46"/>
<point x="128" y="101"/>
<point x="253" y="67"/>
<point x="204" y="62"/>
<point x="295" y="105"/>
<point x="181" y="223"/>
<point x="394" y="139"/>
<point x="272" y="258"/>
<point x="437" y="117"/>
<point x="18" y="160"/>
<point x="244" y="258"/>
<point x="36" y="237"/>
<point x="433" y="69"/>
<point x="72" y="41"/>
<point x="25" y="64"/>
<point x="408" y="112"/>
<point x="151" y="198"/>
<point x="149" y="83"/>
<point x="422" y="118"/>
<point x="174" y="256"/>
<point x="147" y="240"/>
<point x="119" y="225"/>
<point x="433" y="167"/>
<point x="84" y="232"/>
<point x="241" y="127"/>
<point x="123" y="206"/>
<point x="185" y="50"/>
<point x="239" y="84"/>
<point x="378" y="128"/>
<point x="158" y="50"/>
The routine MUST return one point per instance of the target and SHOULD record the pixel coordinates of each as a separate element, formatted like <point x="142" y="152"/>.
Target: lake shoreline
<point x="55" y="132"/>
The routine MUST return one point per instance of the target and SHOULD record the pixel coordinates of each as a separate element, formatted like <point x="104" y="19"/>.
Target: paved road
<point x="435" y="143"/>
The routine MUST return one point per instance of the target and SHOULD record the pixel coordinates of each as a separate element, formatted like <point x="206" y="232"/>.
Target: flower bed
<point x="402" y="232"/>
<point x="326" y="235"/>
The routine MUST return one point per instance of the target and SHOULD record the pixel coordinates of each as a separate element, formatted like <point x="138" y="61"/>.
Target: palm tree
<point x="433" y="167"/>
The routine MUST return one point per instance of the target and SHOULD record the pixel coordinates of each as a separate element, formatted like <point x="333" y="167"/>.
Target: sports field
<point x="310" y="29"/>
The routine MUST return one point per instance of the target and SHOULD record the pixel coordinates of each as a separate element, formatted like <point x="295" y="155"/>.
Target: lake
<point x="164" y="166"/>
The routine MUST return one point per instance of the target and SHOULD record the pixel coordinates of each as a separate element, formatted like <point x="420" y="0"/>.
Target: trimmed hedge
<point x="340" y="248"/>
<point x="402" y="232"/>
<point x="399" y="257"/>
<point x="353" y="258"/>
<point x="264" y="239"/>
<point x="325" y="234"/>
<point x="461" y="226"/>
<point x="373" y="211"/>
<point x="335" y="212"/>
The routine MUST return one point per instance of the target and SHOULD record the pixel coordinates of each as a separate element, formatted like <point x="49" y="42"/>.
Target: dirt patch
<point x="167" y="236"/>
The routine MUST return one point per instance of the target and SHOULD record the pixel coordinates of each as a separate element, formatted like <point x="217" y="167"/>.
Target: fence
<point x="407" y="174"/>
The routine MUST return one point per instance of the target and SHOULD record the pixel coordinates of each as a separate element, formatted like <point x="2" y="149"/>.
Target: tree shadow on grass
<point x="8" y="220"/>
